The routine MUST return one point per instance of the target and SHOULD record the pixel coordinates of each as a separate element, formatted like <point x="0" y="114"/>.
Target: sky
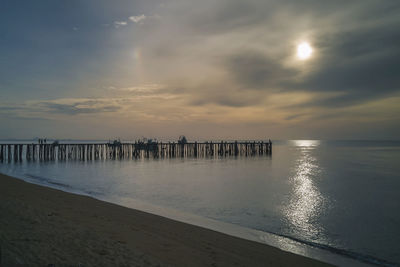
<point x="210" y="69"/>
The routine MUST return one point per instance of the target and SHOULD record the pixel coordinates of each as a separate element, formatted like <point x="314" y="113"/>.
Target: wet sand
<point x="41" y="226"/>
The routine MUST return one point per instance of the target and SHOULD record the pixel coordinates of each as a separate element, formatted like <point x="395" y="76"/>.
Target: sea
<point x="337" y="201"/>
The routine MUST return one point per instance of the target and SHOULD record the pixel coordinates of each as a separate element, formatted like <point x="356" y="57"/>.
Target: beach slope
<point x="41" y="226"/>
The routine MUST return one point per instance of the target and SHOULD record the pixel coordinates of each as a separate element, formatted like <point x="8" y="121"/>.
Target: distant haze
<point x="100" y="69"/>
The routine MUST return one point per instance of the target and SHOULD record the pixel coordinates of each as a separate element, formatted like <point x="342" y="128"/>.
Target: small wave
<point x="347" y="253"/>
<point x="93" y="193"/>
<point x="47" y="180"/>
<point x="65" y="187"/>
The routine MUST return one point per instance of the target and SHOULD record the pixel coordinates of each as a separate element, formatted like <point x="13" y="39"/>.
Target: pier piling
<point x="120" y="151"/>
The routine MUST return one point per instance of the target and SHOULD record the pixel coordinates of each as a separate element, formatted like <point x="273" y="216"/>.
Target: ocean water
<point x="336" y="196"/>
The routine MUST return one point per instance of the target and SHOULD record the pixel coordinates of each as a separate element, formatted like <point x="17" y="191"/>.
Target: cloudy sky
<point x="207" y="69"/>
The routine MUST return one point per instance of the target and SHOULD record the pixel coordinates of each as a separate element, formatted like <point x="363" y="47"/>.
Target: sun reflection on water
<point x="306" y="143"/>
<point x="306" y="202"/>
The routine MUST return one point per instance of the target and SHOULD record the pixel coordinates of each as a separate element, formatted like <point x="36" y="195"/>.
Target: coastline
<point x="41" y="226"/>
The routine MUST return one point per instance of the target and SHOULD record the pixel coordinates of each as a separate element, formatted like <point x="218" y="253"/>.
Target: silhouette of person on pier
<point x="42" y="141"/>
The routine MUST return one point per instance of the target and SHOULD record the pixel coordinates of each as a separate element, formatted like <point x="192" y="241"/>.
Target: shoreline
<point x="41" y="226"/>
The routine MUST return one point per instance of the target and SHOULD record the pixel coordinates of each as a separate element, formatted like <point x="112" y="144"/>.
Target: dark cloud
<point x="294" y="116"/>
<point x="76" y="108"/>
<point x="230" y="99"/>
<point x="25" y="118"/>
<point x="8" y="109"/>
<point x="19" y="112"/>
<point x="233" y="102"/>
<point x="225" y="16"/>
<point x="254" y="70"/>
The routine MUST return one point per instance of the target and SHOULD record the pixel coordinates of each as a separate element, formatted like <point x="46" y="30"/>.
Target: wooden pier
<point x="119" y="150"/>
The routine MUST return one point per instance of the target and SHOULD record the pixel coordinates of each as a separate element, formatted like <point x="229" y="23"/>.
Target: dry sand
<point x="41" y="226"/>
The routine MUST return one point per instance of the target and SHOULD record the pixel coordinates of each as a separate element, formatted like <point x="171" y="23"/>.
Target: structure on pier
<point x="117" y="150"/>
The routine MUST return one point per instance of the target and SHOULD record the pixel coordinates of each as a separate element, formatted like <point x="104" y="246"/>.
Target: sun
<point x="304" y="51"/>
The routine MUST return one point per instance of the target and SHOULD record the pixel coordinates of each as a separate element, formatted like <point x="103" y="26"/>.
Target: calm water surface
<point x="342" y="196"/>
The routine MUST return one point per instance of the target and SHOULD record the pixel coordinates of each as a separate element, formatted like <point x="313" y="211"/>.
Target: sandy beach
<point x="41" y="226"/>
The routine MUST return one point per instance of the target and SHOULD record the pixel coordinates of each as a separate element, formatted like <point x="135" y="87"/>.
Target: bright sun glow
<point x="304" y="51"/>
